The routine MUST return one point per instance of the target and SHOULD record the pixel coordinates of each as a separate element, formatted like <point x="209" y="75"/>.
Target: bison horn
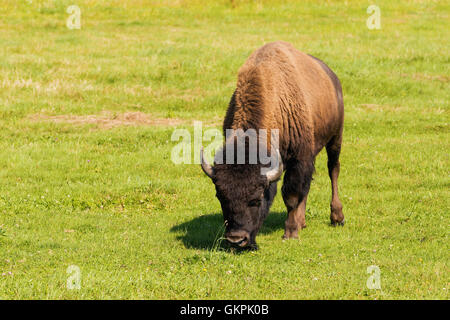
<point x="207" y="169"/>
<point x="276" y="172"/>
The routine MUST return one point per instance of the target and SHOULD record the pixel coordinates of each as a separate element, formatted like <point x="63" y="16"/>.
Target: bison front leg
<point x="296" y="216"/>
<point x="295" y="193"/>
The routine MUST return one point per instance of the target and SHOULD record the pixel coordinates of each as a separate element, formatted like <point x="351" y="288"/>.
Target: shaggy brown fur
<point x="282" y="88"/>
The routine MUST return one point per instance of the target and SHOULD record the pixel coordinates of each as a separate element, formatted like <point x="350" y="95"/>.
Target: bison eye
<point x="255" y="203"/>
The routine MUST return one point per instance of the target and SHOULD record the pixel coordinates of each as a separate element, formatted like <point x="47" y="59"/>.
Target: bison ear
<point x="207" y="169"/>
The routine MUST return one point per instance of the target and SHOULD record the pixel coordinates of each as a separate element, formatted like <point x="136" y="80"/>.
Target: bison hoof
<point x="291" y="232"/>
<point x="337" y="223"/>
<point x="288" y="236"/>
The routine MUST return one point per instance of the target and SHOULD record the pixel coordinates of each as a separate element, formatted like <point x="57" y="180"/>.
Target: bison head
<point x="245" y="192"/>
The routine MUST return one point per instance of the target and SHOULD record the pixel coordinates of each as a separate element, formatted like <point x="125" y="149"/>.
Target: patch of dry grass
<point x="109" y="119"/>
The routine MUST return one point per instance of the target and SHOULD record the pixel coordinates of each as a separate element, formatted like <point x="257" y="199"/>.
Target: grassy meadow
<point x="86" y="179"/>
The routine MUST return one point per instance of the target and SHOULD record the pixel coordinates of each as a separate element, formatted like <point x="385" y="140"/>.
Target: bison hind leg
<point x="333" y="150"/>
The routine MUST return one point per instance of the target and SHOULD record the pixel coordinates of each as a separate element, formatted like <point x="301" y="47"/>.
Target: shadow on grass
<point x="205" y="232"/>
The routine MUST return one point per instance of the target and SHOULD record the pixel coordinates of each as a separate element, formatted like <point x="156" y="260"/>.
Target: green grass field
<point x="86" y="118"/>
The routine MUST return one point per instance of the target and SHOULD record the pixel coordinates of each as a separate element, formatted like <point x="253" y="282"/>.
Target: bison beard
<point x="280" y="88"/>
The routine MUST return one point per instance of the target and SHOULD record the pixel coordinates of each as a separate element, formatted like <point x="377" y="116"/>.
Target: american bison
<point x="280" y="88"/>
